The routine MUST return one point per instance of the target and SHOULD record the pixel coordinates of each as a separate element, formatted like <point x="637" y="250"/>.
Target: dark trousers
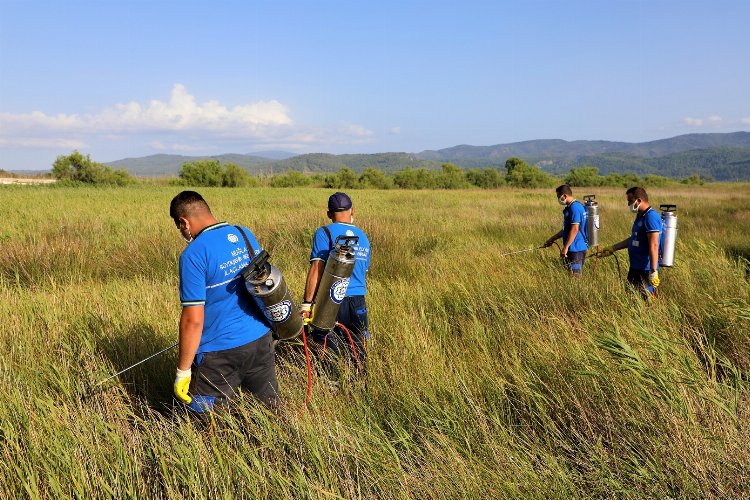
<point x="353" y="315"/>
<point x="639" y="279"/>
<point x="574" y="261"/>
<point x="217" y="375"/>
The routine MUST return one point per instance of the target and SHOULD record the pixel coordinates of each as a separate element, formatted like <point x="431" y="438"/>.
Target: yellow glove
<point x="182" y="384"/>
<point x="305" y="310"/>
<point x="653" y="278"/>
<point x="606" y="251"/>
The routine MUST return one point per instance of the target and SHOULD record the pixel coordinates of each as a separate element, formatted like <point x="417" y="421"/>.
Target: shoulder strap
<point x="330" y="239"/>
<point x="250" y="248"/>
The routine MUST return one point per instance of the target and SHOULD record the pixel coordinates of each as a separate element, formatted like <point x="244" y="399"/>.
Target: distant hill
<point x="717" y="156"/>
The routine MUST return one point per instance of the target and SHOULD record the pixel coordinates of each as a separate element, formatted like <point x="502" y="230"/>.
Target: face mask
<point x="634" y="206"/>
<point x="561" y="200"/>
<point x="187" y="240"/>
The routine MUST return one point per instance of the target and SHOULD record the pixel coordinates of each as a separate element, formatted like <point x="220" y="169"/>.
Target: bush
<point x="202" y="173"/>
<point x="345" y="178"/>
<point x="236" y="176"/>
<point x="451" y="177"/>
<point x="290" y="179"/>
<point x="489" y="178"/>
<point x="584" y="176"/>
<point x="409" y="178"/>
<point x="374" y="179"/>
<point x="77" y="168"/>
<point x="519" y="174"/>
<point x="693" y="180"/>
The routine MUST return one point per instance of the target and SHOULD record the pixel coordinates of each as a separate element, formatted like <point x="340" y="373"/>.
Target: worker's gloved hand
<point x="182" y="384"/>
<point x="606" y="251"/>
<point x="305" y="310"/>
<point x="653" y="278"/>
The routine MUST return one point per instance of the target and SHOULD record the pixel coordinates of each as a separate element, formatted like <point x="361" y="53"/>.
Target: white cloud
<point x="395" y="130"/>
<point x="693" y="122"/>
<point x="715" y="120"/>
<point x="181" y="123"/>
<point x="746" y="121"/>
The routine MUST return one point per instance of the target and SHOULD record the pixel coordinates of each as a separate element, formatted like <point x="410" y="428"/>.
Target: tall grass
<point x="489" y="376"/>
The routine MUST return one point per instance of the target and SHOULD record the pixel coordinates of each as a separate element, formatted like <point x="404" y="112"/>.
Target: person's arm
<point x="621" y="244"/>
<point x="653" y="249"/>
<point x="571" y="237"/>
<point x="313" y="279"/>
<point x="553" y="238"/>
<point x="191" y="329"/>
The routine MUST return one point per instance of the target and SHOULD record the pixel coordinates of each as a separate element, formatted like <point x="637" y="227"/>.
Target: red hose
<point x="351" y="343"/>
<point x="309" y="368"/>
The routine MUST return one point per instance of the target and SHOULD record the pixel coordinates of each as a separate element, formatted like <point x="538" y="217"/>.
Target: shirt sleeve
<point x="192" y="279"/>
<point x="320" y="246"/>
<point x="652" y="224"/>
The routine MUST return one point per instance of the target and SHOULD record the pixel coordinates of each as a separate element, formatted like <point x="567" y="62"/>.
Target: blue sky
<point x="118" y="79"/>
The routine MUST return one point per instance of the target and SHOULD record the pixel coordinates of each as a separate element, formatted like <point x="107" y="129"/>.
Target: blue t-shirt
<point x="575" y="213"/>
<point x="638" y="248"/>
<point x="321" y="247"/>
<point x="210" y="275"/>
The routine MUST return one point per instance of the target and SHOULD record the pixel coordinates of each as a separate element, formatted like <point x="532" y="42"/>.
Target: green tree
<point x="451" y="177"/>
<point x="345" y="178"/>
<point x="519" y="174"/>
<point x="202" y="173"/>
<point x="76" y="167"/>
<point x="236" y="176"/>
<point x="488" y="178"/>
<point x="290" y="179"/>
<point x="584" y="176"/>
<point x="409" y="178"/>
<point x="374" y="179"/>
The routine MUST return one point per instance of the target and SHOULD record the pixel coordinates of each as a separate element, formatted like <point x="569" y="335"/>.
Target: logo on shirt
<point x="338" y="290"/>
<point x="349" y="232"/>
<point x="232" y="238"/>
<point x="278" y="313"/>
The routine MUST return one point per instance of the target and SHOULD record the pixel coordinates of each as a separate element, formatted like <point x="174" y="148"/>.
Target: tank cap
<point x="269" y="282"/>
<point x="590" y="198"/>
<point x="668" y="208"/>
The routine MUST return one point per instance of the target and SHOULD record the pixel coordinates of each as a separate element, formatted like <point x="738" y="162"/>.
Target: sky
<point x="130" y="78"/>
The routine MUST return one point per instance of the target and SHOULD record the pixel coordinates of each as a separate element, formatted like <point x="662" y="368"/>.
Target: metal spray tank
<point x="592" y="226"/>
<point x="669" y="235"/>
<point x="334" y="282"/>
<point x="268" y="288"/>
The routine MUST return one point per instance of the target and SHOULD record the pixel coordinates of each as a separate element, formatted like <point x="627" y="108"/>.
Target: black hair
<point x="563" y="189"/>
<point x="187" y="203"/>
<point x="638" y="193"/>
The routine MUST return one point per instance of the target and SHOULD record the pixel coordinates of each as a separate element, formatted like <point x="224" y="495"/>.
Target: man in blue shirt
<point x="353" y="310"/>
<point x="643" y="243"/>
<point x="574" y="232"/>
<point x="225" y="340"/>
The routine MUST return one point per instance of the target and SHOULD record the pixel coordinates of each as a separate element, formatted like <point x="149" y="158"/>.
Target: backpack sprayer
<point x="266" y="285"/>
<point x="592" y="226"/>
<point x="333" y="284"/>
<point x="669" y="235"/>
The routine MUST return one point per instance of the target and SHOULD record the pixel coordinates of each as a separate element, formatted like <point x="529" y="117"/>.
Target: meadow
<point x="490" y="376"/>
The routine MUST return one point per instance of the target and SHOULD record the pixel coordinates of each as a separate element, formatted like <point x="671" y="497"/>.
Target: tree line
<point x="79" y="169"/>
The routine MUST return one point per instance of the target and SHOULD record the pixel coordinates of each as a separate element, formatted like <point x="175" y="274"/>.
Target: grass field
<point x="489" y="376"/>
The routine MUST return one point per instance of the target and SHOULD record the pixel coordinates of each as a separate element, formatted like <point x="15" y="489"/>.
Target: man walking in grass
<point x="353" y="310"/>
<point x="574" y="232"/>
<point x="643" y="243"/>
<point x="225" y="341"/>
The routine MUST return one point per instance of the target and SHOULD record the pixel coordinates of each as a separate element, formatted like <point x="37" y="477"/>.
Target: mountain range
<point x="718" y="156"/>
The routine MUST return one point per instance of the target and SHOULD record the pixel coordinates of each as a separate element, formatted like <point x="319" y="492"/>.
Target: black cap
<point x="338" y="202"/>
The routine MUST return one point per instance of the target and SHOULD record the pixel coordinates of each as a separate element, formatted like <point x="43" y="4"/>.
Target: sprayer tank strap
<point x="330" y="238"/>
<point x="250" y="249"/>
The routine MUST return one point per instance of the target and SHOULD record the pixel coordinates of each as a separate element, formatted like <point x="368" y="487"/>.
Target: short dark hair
<point x="563" y="189"/>
<point x="638" y="192"/>
<point x="186" y="204"/>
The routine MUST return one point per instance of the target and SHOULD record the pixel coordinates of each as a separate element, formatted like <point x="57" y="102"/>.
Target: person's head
<point x="564" y="194"/>
<point x="637" y="199"/>
<point x="340" y="208"/>
<point x="190" y="214"/>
